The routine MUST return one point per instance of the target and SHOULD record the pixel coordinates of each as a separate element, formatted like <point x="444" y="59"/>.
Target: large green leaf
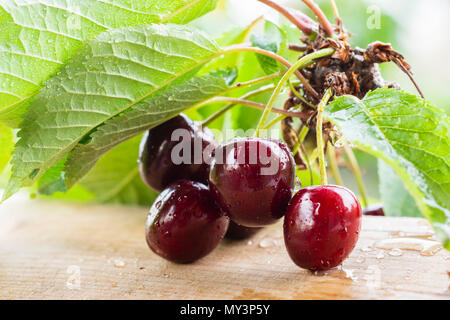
<point x="113" y="73"/>
<point x="6" y="145"/>
<point x="38" y="36"/>
<point x="141" y="117"/>
<point x="397" y="201"/>
<point x="115" y="178"/>
<point x="411" y="136"/>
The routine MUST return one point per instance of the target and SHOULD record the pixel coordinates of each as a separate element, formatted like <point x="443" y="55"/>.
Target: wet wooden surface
<point x="51" y="250"/>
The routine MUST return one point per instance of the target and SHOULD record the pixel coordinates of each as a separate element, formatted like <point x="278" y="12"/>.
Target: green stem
<point x="293" y="69"/>
<point x="334" y="165"/>
<point x="250" y="83"/>
<point x="314" y="155"/>
<point x="250" y="94"/>
<point x="278" y="119"/>
<point x="298" y="95"/>
<point x="356" y="172"/>
<point x="300" y="138"/>
<point x="319" y="136"/>
<point x="248" y="48"/>
<point x="308" y="163"/>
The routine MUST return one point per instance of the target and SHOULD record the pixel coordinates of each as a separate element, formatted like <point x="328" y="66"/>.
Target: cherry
<point x="374" y="210"/>
<point x="238" y="232"/>
<point x="185" y="224"/>
<point x="252" y="180"/>
<point x="321" y="226"/>
<point x="156" y="164"/>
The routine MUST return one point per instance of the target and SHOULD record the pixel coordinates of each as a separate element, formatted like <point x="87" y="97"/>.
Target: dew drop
<point x="118" y="263"/>
<point x="380" y="255"/>
<point x="266" y="243"/>
<point x="396" y="252"/>
<point x="367" y="249"/>
<point x="425" y="247"/>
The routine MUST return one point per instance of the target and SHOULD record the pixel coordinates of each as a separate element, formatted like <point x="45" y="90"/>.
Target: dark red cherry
<point x="374" y="210"/>
<point x="252" y="179"/>
<point x="185" y="224"/>
<point x="161" y="157"/>
<point x="238" y="232"/>
<point x="321" y="226"/>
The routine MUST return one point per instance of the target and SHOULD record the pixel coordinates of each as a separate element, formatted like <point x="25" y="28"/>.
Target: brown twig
<point x="297" y="47"/>
<point x="410" y="76"/>
<point x="256" y="105"/>
<point x="336" y="13"/>
<point x="320" y="16"/>
<point x="305" y="24"/>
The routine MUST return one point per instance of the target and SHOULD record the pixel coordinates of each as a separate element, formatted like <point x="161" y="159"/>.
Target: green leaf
<point x="6" y="145"/>
<point x="53" y="180"/>
<point x="236" y="35"/>
<point x="273" y="40"/>
<point x="184" y="11"/>
<point x="410" y="135"/>
<point x="397" y="201"/>
<point x="38" y="37"/>
<point x="229" y="74"/>
<point x="159" y="108"/>
<point x="113" y="73"/>
<point x="115" y="178"/>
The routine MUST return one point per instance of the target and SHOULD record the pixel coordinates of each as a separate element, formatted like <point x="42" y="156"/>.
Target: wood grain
<point x="50" y="250"/>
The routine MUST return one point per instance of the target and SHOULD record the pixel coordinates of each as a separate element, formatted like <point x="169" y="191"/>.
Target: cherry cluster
<point x="231" y="196"/>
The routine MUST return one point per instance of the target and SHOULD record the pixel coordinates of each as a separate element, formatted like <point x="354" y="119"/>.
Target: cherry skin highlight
<point x="156" y="164"/>
<point x="252" y="180"/>
<point x="185" y="224"/>
<point x="238" y="232"/>
<point x="374" y="210"/>
<point x="322" y="226"/>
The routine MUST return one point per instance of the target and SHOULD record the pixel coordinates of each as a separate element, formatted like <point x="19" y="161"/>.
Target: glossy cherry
<point x="321" y="226"/>
<point x="185" y="224"/>
<point x="252" y="179"/>
<point x="374" y="210"/>
<point x="156" y="164"/>
<point x="238" y="232"/>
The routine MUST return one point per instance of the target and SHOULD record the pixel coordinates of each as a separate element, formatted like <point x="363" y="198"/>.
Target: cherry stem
<point x="256" y="105"/>
<point x="410" y="76"/>
<point x="250" y="83"/>
<point x="308" y="163"/>
<point x="356" y="172"/>
<point x="319" y="137"/>
<point x="241" y="85"/>
<point x="248" y="48"/>
<point x="299" y="64"/>
<point x="297" y="47"/>
<point x="334" y="165"/>
<point x="320" y="16"/>
<point x="305" y="26"/>
<point x="222" y="111"/>
<point x="298" y="95"/>
<point x="336" y="12"/>
<point x="300" y="138"/>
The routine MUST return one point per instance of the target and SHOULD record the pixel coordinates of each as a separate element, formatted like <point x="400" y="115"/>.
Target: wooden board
<point x="50" y="250"/>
